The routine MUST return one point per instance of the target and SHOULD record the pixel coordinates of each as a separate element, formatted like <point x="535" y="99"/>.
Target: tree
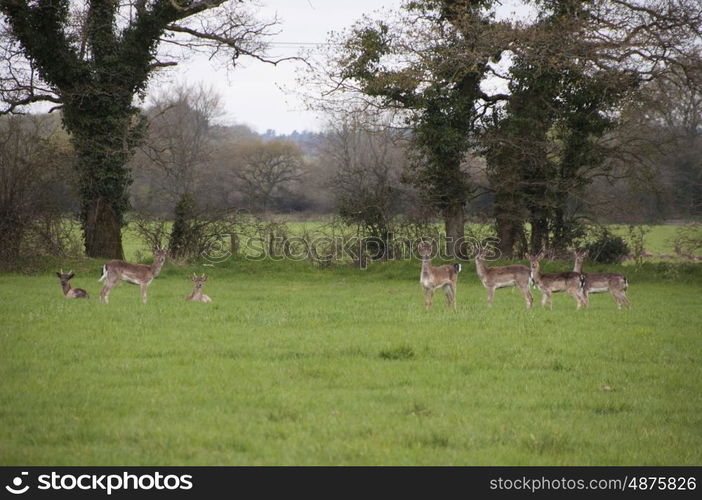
<point x="543" y="147"/>
<point x="365" y="165"/>
<point x="178" y="146"/>
<point x="428" y="64"/>
<point x="264" y="171"/>
<point x="33" y="176"/>
<point x="572" y="73"/>
<point x="95" y="60"/>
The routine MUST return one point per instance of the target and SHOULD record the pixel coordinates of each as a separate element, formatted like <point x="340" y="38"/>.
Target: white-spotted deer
<point x="197" y="295"/>
<point x="614" y="283"/>
<point x="548" y="283"/>
<point x="433" y="277"/>
<point x="68" y="291"/>
<point x="496" y="277"/>
<point x="137" y="274"/>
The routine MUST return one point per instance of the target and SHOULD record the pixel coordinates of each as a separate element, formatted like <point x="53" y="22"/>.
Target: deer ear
<point x="58" y="274"/>
<point x="71" y="274"/>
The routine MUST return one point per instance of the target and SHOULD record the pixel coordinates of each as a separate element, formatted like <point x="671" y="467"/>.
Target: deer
<point x="570" y="282"/>
<point x="137" y="274"/>
<point x="492" y="278"/>
<point x="433" y="277"/>
<point x="614" y="283"/>
<point x="68" y="291"/>
<point x="197" y="295"/>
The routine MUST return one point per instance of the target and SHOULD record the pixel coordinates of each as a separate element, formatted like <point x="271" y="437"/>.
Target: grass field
<point x="292" y="365"/>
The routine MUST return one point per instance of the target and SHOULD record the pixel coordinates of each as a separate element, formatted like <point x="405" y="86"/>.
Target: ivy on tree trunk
<point x="97" y="81"/>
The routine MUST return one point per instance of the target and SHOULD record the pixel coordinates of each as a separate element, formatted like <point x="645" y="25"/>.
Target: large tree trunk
<point x="102" y="230"/>
<point x="454" y="224"/>
<point x="103" y="149"/>
<point x="507" y="229"/>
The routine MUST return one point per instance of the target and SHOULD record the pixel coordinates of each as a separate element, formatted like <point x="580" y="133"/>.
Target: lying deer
<point x="492" y="278"/>
<point x="136" y="274"/>
<point x="197" y="295"/>
<point x="433" y="277"/>
<point x="570" y="282"/>
<point x="614" y="283"/>
<point x="68" y="291"/>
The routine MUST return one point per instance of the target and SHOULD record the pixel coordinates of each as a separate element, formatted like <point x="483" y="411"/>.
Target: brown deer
<point x="614" y="283"/>
<point x="570" y="282"/>
<point x="433" y="277"/>
<point x="68" y="291"/>
<point x="197" y="295"/>
<point x="496" y="277"/>
<point x="136" y="274"/>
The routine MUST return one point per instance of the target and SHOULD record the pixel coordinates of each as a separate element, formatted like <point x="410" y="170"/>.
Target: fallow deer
<point x="136" y="274"/>
<point x="548" y="283"/>
<point x="614" y="283"/>
<point x="68" y="291"/>
<point x="496" y="277"/>
<point x="433" y="277"/>
<point x="197" y="295"/>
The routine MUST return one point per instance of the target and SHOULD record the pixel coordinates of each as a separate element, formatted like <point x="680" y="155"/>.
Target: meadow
<point x="296" y="365"/>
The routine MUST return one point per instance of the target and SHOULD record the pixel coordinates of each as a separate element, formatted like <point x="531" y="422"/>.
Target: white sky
<point x="253" y="93"/>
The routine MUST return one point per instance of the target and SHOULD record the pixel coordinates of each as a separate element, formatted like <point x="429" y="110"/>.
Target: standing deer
<point x="570" y="282"/>
<point x="433" y="277"/>
<point x="492" y="278"/>
<point x="197" y="295"/>
<point x="136" y="274"/>
<point x="68" y="291"/>
<point x="614" y="283"/>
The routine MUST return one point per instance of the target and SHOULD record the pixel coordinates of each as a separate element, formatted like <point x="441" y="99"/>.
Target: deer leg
<point x="527" y="295"/>
<point x="576" y="297"/>
<point x="586" y="300"/>
<point x="491" y="294"/>
<point x="450" y="297"/>
<point x="428" y="295"/>
<point x="616" y="299"/>
<point x="105" y="292"/>
<point x="453" y="294"/>
<point x="627" y="302"/>
<point x="143" y="292"/>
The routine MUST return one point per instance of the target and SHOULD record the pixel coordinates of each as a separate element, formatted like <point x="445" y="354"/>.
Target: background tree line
<point x="597" y="117"/>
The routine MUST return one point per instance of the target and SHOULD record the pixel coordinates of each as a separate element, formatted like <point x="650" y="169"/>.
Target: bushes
<point x="605" y="247"/>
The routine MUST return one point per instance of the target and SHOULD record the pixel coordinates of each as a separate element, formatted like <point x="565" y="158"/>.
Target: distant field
<point x="293" y="365"/>
<point x="658" y="239"/>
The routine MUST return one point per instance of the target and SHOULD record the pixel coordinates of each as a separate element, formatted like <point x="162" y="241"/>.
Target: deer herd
<point x="575" y="283"/>
<point x="137" y="274"/>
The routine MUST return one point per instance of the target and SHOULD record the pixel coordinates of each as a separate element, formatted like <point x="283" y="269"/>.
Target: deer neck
<point x="536" y="273"/>
<point x="578" y="267"/>
<point x="66" y="288"/>
<point x="480" y="268"/>
<point x="156" y="267"/>
<point x="426" y="270"/>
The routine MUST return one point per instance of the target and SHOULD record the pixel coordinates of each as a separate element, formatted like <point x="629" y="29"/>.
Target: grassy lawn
<point x="291" y="365"/>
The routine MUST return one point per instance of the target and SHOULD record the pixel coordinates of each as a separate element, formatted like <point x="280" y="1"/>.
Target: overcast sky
<point x="252" y="92"/>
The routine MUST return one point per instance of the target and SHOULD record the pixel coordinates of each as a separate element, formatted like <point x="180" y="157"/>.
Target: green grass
<point x="291" y="365"/>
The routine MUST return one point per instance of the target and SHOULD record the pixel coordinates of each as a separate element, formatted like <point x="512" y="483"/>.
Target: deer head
<point x="198" y="280"/>
<point x="425" y="249"/>
<point x="65" y="277"/>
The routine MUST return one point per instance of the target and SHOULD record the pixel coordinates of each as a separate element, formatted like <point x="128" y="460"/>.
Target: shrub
<point x="606" y="248"/>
